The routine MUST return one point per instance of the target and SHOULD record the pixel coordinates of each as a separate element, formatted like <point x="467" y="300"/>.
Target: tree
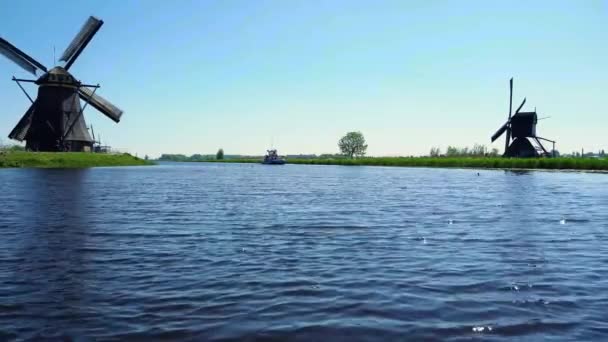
<point x="220" y="154"/>
<point x="435" y="152"/>
<point x="478" y="150"/>
<point x="353" y="144"/>
<point x="451" y="151"/>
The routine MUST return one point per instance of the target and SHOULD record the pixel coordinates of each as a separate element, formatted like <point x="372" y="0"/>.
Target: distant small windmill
<point x="55" y="121"/>
<point x="97" y="144"/>
<point x="521" y="132"/>
<point x="96" y="141"/>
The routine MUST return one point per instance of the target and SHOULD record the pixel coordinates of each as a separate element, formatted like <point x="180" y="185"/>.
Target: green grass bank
<point x="67" y="160"/>
<point x="586" y="164"/>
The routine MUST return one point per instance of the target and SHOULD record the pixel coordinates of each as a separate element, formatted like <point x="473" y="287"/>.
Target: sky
<point x="196" y="76"/>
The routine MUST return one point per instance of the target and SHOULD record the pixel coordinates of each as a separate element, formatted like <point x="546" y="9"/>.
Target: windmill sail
<point x="101" y="104"/>
<point x="520" y="106"/>
<point x="20" y="58"/>
<point x="500" y="131"/>
<point x="18" y="133"/>
<point x="508" y="139"/>
<point x="88" y="30"/>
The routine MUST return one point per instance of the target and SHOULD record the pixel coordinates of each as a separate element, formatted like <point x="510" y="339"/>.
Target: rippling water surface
<point x="255" y="252"/>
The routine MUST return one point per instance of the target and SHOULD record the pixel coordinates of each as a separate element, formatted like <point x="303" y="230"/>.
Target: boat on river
<point x="272" y="158"/>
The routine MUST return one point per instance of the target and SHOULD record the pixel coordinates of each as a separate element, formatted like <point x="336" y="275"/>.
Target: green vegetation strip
<point x="67" y="160"/>
<point x="596" y="164"/>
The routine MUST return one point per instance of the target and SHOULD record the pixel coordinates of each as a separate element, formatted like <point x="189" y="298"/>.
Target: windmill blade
<point x="88" y="30"/>
<point x="101" y="104"/>
<point x="510" y="96"/>
<point x="18" y="133"/>
<point x="520" y="106"/>
<point x="500" y="131"/>
<point x="508" y="137"/>
<point x="19" y="57"/>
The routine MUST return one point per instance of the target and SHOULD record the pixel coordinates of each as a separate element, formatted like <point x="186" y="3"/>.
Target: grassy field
<point x="459" y="162"/>
<point x="67" y="160"/>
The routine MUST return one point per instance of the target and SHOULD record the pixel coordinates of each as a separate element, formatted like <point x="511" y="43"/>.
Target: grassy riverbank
<point x="67" y="160"/>
<point x="594" y="164"/>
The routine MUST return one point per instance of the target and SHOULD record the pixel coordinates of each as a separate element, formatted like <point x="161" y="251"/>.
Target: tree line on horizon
<point x="353" y="145"/>
<point x="476" y="151"/>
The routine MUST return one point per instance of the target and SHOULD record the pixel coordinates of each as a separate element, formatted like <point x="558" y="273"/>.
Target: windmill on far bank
<point x="521" y="139"/>
<point x="97" y="146"/>
<point x="55" y="121"/>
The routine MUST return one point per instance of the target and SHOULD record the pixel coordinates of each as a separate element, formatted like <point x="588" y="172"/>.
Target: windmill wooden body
<point x="521" y="138"/>
<point x="55" y="121"/>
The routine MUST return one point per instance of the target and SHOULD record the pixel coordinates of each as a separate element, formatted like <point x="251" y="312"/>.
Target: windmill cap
<point x="57" y="76"/>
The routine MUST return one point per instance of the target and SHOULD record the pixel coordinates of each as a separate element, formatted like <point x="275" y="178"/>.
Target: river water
<point x="254" y="252"/>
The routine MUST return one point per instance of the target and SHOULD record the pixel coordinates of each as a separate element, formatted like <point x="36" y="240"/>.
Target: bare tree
<point x="435" y="152"/>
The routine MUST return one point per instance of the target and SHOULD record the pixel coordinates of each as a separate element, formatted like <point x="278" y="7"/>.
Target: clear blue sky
<point x="193" y="76"/>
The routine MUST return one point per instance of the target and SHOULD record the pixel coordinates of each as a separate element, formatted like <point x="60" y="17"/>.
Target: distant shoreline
<point x="10" y="159"/>
<point x="491" y="163"/>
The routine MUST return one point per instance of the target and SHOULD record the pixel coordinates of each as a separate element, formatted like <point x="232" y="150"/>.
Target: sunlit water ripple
<point x="253" y="252"/>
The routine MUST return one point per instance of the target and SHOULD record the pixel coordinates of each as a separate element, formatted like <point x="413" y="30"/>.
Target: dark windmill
<point x="520" y="127"/>
<point x="55" y="121"/>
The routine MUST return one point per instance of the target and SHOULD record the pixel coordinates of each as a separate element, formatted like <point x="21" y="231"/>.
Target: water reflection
<point x="53" y="235"/>
<point x="519" y="172"/>
<point x="521" y="207"/>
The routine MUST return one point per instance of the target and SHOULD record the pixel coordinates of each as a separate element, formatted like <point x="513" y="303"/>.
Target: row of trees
<point x="10" y="147"/>
<point x="583" y="154"/>
<point x="353" y="145"/>
<point x="195" y="157"/>
<point x="476" y="151"/>
<point x="184" y="158"/>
